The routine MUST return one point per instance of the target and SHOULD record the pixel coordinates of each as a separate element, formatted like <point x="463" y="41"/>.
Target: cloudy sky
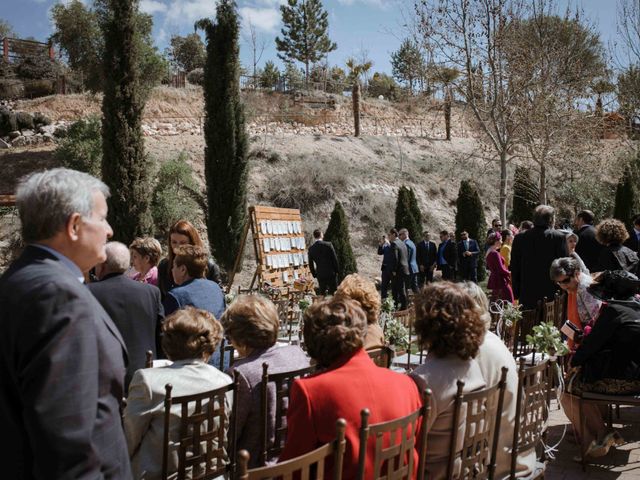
<point x="374" y="26"/>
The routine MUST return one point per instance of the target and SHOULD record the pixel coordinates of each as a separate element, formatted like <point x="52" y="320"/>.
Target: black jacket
<point x="323" y="261"/>
<point x="588" y="248"/>
<point x="427" y="254"/>
<point x="531" y="256"/>
<point x="611" y="349"/>
<point x="450" y="253"/>
<point x="62" y="367"/>
<point x="618" y="257"/>
<point x="165" y="279"/>
<point x="632" y="241"/>
<point x="137" y="311"/>
<point x="399" y="258"/>
<point x="472" y="260"/>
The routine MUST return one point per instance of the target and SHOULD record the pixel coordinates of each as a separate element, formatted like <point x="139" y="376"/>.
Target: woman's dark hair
<point x="333" y="328"/>
<point x="611" y="231"/>
<point x="190" y="333"/>
<point x="567" y="266"/>
<point x="252" y="321"/>
<point x="448" y="321"/>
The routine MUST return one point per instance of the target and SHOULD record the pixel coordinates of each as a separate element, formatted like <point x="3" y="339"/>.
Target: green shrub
<point x="385" y="85"/>
<point x="24" y="120"/>
<point x="196" y="76"/>
<point x="41" y="119"/>
<point x="11" y="88"/>
<point x="8" y="121"/>
<point x="38" y="67"/>
<point x="39" y="88"/>
<point x="81" y="148"/>
<point x="338" y="234"/>
<point x="7" y="69"/>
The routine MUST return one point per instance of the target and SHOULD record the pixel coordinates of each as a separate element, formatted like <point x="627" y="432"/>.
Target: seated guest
<point x="615" y="256"/>
<point x="363" y="291"/>
<point x="582" y="307"/>
<point x="500" y="277"/>
<point x="145" y="254"/>
<point x="451" y="328"/>
<point x="134" y="307"/>
<point x="607" y="360"/>
<point x="251" y="323"/>
<point x="189" y="338"/>
<point x="182" y="233"/>
<point x="492" y="356"/>
<point x="334" y="330"/>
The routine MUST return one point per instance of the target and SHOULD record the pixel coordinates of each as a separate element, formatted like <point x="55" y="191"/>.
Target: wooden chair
<point x="381" y="356"/>
<point x="407" y="318"/>
<point x="481" y="428"/>
<point x="305" y="465"/>
<point x="204" y="448"/>
<point x="395" y="460"/>
<point x="226" y="350"/>
<point x="148" y="363"/>
<point x="282" y="384"/>
<point x="560" y="309"/>
<point x="533" y="402"/>
<point x="548" y="310"/>
<point x="522" y="328"/>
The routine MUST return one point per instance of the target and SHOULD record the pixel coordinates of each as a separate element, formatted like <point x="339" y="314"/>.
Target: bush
<point x="39" y="88"/>
<point x="196" y="76"/>
<point x="385" y="85"/>
<point x="11" y="88"/>
<point x="81" y="148"/>
<point x="24" y="120"/>
<point x="338" y="234"/>
<point x="8" y="122"/>
<point x="41" y="119"/>
<point x="38" y="67"/>
<point x="176" y="195"/>
<point x="7" y="69"/>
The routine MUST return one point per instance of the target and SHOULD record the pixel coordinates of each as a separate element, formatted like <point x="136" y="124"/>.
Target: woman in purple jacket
<point x="500" y="278"/>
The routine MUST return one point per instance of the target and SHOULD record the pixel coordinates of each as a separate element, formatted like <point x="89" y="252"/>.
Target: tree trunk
<point x="503" y="187"/>
<point x="306" y="74"/>
<point x="447" y="113"/>
<point x="542" y="198"/>
<point x="355" y="97"/>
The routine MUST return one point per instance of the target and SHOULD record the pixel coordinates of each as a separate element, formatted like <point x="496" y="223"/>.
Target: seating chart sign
<point x="280" y="246"/>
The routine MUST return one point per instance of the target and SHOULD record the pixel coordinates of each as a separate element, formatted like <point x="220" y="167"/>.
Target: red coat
<point x="349" y="385"/>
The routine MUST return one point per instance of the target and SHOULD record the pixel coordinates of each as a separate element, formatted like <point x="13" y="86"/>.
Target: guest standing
<point x="426" y="257"/>
<point x="399" y="269"/>
<point x="447" y="256"/>
<point x="468" y="252"/>
<point x="63" y="360"/>
<point x="413" y="263"/>
<point x="323" y="264"/>
<point x="615" y="256"/>
<point x="145" y="255"/>
<point x="384" y="249"/>
<point x="505" y="249"/>
<point x="500" y="278"/>
<point x="587" y="247"/>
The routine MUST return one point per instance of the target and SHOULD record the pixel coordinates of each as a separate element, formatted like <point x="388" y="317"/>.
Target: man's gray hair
<point x="47" y="199"/>
<point x="543" y="216"/>
<point x="118" y="257"/>
<point x="567" y="266"/>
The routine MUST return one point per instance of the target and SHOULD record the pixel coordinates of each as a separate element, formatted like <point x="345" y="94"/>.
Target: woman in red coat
<point x="500" y="278"/>
<point x="333" y="332"/>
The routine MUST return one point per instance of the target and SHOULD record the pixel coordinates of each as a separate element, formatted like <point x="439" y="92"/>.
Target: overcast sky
<point x="375" y="26"/>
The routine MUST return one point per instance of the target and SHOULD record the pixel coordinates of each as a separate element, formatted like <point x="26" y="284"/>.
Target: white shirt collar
<point x="64" y="260"/>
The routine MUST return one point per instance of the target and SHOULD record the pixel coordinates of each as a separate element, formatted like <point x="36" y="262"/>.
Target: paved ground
<point x="620" y="463"/>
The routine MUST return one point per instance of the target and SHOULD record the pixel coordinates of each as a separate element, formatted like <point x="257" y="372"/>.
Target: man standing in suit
<point x="447" y="257"/>
<point x="426" y="258"/>
<point x="496" y="226"/>
<point x="413" y="264"/>
<point x="633" y="242"/>
<point x="134" y="307"/>
<point x="63" y="359"/>
<point x="468" y="252"/>
<point x="588" y="248"/>
<point x="323" y="264"/>
<point x="531" y="257"/>
<point x="399" y="269"/>
<point x="384" y="249"/>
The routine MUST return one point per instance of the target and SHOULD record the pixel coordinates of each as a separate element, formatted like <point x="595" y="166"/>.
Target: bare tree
<point x="257" y="45"/>
<point x="629" y="29"/>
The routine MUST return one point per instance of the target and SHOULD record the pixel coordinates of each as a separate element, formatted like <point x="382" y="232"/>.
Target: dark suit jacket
<point x="588" y="248"/>
<point x="632" y="242"/>
<point x="531" y="257"/>
<point x="450" y="253"/>
<point x="399" y="258"/>
<point x="323" y="261"/>
<point x="62" y="374"/>
<point x="427" y="254"/>
<point x="137" y="311"/>
<point x="473" y="248"/>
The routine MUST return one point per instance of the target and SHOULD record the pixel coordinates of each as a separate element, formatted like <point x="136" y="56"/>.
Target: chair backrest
<point x="282" y="385"/>
<point x="304" y="465"/>
<point x="395" y="442"/>
<point x="481" y="427"/>
<point x="524" y="327"/>
<point x="407" y="318"/>
<point x="148" y="362"/>
<point x="226" y="350"/>
<point x="381" y="356"/>
<point x="560" y="309"/>
<point x="549" y="310"/>
<point x="532" y="407"/>
<point x="206" y="443"/>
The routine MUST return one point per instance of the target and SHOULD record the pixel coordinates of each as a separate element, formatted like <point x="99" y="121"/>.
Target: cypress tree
<point x="406" y="212"/>
<point x="225" y="153"/>
<point x="627" y="201"/>
<point x="125" y="167"/>
<point x="416" y="233"/>
<point x="470" y="218"/>
<point x="525" y="195"/>
<point x="338" y="234"/>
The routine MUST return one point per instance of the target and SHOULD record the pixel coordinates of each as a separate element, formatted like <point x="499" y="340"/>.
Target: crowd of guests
<point x="72" y="353"/>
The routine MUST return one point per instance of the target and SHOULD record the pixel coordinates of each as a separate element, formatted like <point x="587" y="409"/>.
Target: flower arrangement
<point x="388" y="305"/>
<point x="511" y="314"/>
<point x="545" y="338"/>
<point x="229" y="298"/>
<point x="304" y="303"/>
<point x="397" y="334"/>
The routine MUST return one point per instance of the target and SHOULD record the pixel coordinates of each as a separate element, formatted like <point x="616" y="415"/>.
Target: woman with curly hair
<point x="615" y="256"/>
<point x="363" y="291"/>
<point x="451" y="327"/>
<point x="189" y="338"/>
<point x="334" y="331"/>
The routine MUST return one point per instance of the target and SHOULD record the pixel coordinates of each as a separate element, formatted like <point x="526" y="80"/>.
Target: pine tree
<point x="525" y="195"/>
<point x="407" y="63"/>
<point x="125" y="167"/>
<point x="338" y="234"/>
<point x="406" y="210"/>
<point x="470" y="218"/>
<point x="225" y="153"/>
<point x="305" y="33"/>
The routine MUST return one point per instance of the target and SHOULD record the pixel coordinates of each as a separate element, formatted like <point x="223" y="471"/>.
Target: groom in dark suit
<point x="323" y="264"/>
<point x="468" y="252"/>
<point x="426" y="258"/>
<point x="63" y="360"/>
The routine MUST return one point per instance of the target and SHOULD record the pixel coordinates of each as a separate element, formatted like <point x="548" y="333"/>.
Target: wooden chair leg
<point x="583" y="427"/>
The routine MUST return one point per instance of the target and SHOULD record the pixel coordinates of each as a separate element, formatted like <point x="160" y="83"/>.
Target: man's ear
<point x="73" y="226"/>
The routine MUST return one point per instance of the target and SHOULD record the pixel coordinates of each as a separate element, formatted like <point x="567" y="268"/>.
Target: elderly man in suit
<point x="426" y="258"/>
<point x="323" y="264"/>
<point x="63" y="359"/>
<point x="468" y="252"/>
<point x="399" y="268"/>
<point x="531" y="257"/>
<point x="134" y="307"/>
<point x="587" y="248"/>
<point x="413" y="263"/>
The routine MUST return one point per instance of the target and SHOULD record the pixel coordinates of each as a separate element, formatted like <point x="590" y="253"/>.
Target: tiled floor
<point x="620" y="463"/>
